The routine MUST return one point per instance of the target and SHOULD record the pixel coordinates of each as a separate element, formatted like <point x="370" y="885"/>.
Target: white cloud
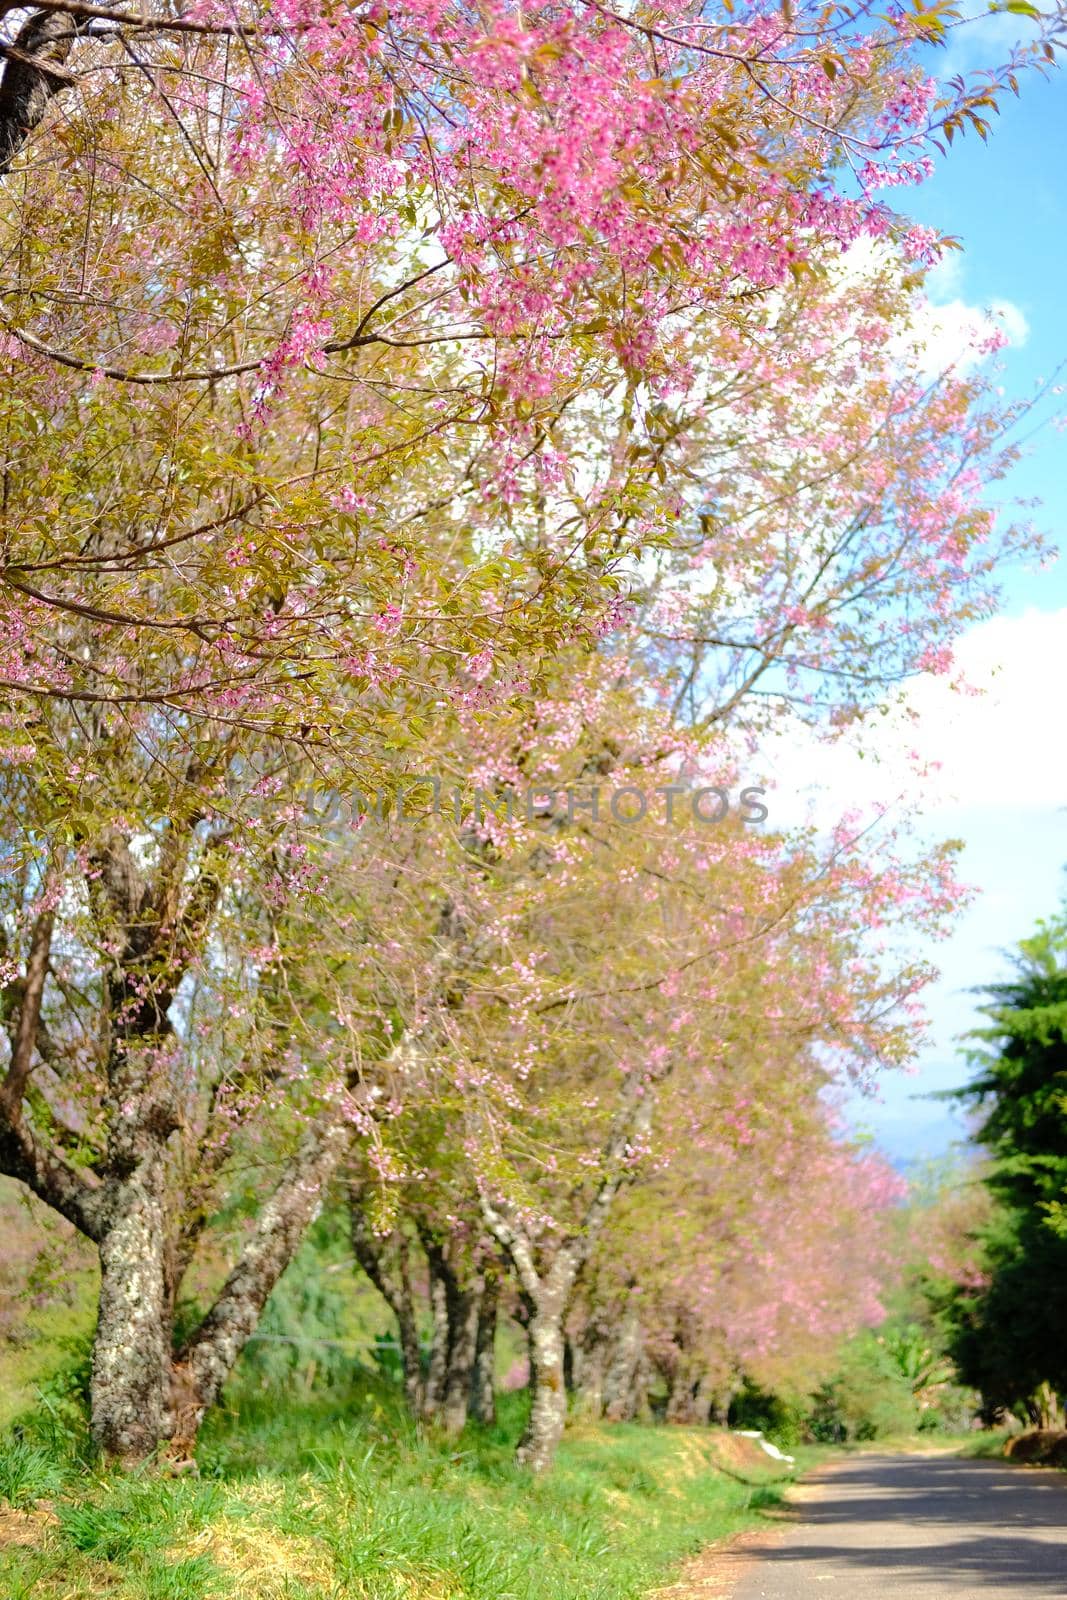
<point x="946" y="329"/>
<point x="951" y="335"/>
<point x="947" y="749"/>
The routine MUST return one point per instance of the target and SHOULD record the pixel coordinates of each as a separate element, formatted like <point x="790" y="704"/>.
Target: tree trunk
<point x="548" y="1400"/>
<point x="27" y="88"/>
<point x="590" y="1367"/>
<point x="463" y="1307"/>
<point x="620" y="1400"/>
<point x="589" y="1384"/>
<point x="640" y="1408"/>
<point x="1047" y="1406"/>
<point x="548" y="1293"/>
<point x="410" y="1358"/>
<point x="143" y="1397"/>
<point x="393" y="1283"/>
<point x="455" y="1305"/>
<point x="131" y="1349"/>
<point x="721" y="1402"/>
<point x="483" y="1376"/>
<point x="437" y="1376"/>
<point x="687" y="1401"/>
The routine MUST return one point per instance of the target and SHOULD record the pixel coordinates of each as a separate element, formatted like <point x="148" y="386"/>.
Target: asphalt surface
<point x="919" y="1528"/>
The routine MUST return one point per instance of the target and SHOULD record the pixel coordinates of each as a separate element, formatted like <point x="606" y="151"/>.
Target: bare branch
<point x="29" y="1013"/>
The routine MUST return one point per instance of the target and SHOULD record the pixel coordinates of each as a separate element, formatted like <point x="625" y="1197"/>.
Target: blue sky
<point x="1007" y="201"/>
<point x="1002" y="784"/>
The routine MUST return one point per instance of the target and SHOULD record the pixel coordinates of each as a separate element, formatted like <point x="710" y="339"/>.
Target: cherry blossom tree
<point x="262" y="259"/>
<point x="418" y="1236"/>
<point x="751" y="1252"/>
<point x="173" y="1037"/>
<point x="577" y="964"/>
<point x="353" y="358"/>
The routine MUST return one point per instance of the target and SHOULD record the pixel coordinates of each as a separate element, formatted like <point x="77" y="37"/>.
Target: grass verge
<point x="339" y="1497"/>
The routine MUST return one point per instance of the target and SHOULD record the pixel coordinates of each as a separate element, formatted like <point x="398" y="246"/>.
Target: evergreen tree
<point x="1008" y="1332"/>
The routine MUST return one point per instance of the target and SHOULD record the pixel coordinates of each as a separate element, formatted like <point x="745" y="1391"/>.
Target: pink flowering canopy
<point x="521" y="390"/>
<point x="304" y="297"/>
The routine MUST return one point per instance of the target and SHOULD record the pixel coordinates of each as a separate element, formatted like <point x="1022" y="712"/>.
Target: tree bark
<point x="455" y="1306"/>
<point x="204" y="1363"/>
<point x="548" y="1397"/>
<point x="589" y="1380"/>
<point x="548" y="1291"/>
<point x="591" y="1350"/>
<point x="437" y="1373"/>
<point x="463" y="1308"/>
<point x="410" y="1347"/>
<point x="131" y="1350"/>
<point x="1047" y="1407"/>
<point x="620" y="1398"/>
<point x="687" y="1401"/>
<point x="393" y="1282"/>
<point x="719" y="1409"/>
<point x="141" y="1396"/>
<point x="33" y="76"/>
<point x="24" y="1154"/>
<point x="27" y="1016"/>
<point x="483" y="1376"/>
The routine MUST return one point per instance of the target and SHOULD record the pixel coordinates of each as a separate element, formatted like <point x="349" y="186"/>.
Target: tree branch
<point x="63" y="1187"/>
<point x="33" y="76"/>
<point x="29" y="1014"/>
<point x="209" y="1355"/>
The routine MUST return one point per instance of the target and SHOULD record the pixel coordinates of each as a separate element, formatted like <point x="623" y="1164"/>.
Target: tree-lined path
<point x="919" y="1528"/>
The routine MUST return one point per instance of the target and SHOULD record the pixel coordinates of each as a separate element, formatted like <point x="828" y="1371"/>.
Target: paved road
<point x="919" y="1528"/>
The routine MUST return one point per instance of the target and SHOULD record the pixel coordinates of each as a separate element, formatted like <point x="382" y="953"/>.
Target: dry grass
<point x="24" y="1527"/>
<point x="1044" y="1447"/>
<point x="261" y="1560"/>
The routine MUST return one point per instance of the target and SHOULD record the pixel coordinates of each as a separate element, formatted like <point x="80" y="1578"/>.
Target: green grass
<point x="987" y="1445"/>
<point x="992" y="1445"/>
<point x="314" y="1485"/>
<point x="48" y="1287"/>
<point x="28" y="1473"/>
<point x="47" y="1338"/>
<point x="925" y="1443"/>
<point x="336" y="1496"/>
